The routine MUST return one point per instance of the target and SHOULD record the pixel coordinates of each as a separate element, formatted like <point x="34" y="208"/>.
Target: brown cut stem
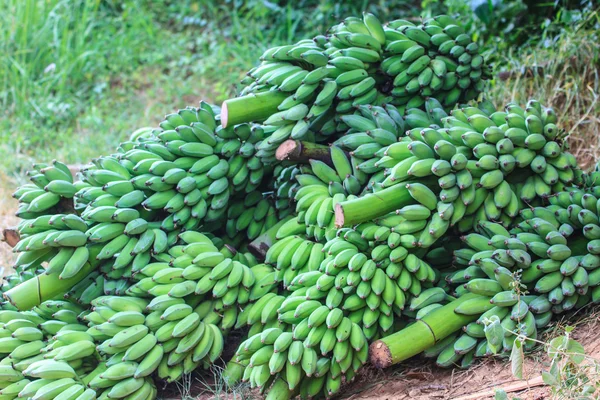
<point x="11" y="236"/>
<point x="421" y="335"/>
<point x="301" y="152"/>
<point x="251" y="108"/>
<point x="261" y="244"/>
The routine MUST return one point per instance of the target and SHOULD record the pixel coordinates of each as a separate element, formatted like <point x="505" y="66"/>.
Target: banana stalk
<point x="371" y="206"/>
<point x="421" y="335"/>
<point x="11" y="236"/>
<point x="250" y="108"/>
<point x="261" y="244"/>
<point x="301" y="152"/>
<point x="43" y="287"/>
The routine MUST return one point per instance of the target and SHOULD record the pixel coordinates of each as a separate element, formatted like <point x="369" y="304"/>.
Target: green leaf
<point x="517" y="358"/>
<point x="494" y="333"/>
<point x="569" y="329"/>
<point x="557" y="345"/>
<point x="549" y="379"/>
<point x="554" y="370"/>
<point x="500" y="394"/>
<point x="576" y="351"/>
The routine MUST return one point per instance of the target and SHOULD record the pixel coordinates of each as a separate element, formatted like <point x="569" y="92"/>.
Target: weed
<point x="219" y="389"/>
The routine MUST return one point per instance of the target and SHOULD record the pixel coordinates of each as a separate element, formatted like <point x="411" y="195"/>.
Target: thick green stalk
<point x="253" y="107"/>
<point x="421" y="335"/>
<point x="43" y="287"/>
<point x="301" y="152"/>
<point x="371" y="206"/>
<point x="261" y="244"/>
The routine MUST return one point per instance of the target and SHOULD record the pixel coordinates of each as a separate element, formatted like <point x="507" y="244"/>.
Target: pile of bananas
<point x="362" y="62"/>
<point x="155" y="240"/>
<point x="546" y="265"/>
<point x="48" y="354"/>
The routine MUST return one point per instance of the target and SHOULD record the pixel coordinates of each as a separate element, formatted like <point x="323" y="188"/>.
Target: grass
<point x="77" y="76"/>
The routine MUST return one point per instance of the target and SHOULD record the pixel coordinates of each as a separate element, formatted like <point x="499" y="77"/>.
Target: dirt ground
<point x="422" y="380"/>
<point x="417" y="379"/>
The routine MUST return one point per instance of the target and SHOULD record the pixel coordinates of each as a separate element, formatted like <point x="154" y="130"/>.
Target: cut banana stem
<point x="421" y="335"/>
<point x="301" y="152"/>
<point x="11" y="236"/>
<point x="261" y="244"/>
<point x="371" y="206"/>
<point x="250" y="108"/>
<point x="43" y="287"/>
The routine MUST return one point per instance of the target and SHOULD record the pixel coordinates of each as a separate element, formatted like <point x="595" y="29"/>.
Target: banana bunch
<point x="44" y="379"/>
<point x="50" y="353"/>
<point x="552" y="254"/>
<point x="343" y="277"/>
<point x="51" y="191"/>
<point x="460" y="349"/>
<point x="201" y="272"/>
<point x="240" y="148"/>
<point x="137" y="337"/>
<point x="96" y="284"/>
<point x="320" y="188"/>
<point x="487" y="163"/>
<point x="285" y="187"/>
<point x="61" y="240"/>
<point x="564" y="278"/>
<point x="290" y="256"/>
<point x="363" y="62"/>
<point x="323" y="349"/>
<point x="16" y="277"/>
<point x="370" y="130"/>
<point x="261" y="314"/>
<point x="390" y="243"/>
<point x="166" y="275"/>
<point x="436" y="58"/>
<point x="250" y="217"/>
<point x="189" y="169"/>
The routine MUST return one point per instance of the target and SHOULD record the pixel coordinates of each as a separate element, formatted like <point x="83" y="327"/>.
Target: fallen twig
<point x="515" y="387"/>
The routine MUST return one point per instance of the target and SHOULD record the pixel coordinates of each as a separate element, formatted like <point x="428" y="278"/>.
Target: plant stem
<point x="421" y="335"/>
<point x="261" y="244"/>
<point x="253" y="107"/>
<point x="43" y="287"/>
<point x="11" y="236"/>
<point x="302" y="152"/>
<point x="371" y="206"/>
